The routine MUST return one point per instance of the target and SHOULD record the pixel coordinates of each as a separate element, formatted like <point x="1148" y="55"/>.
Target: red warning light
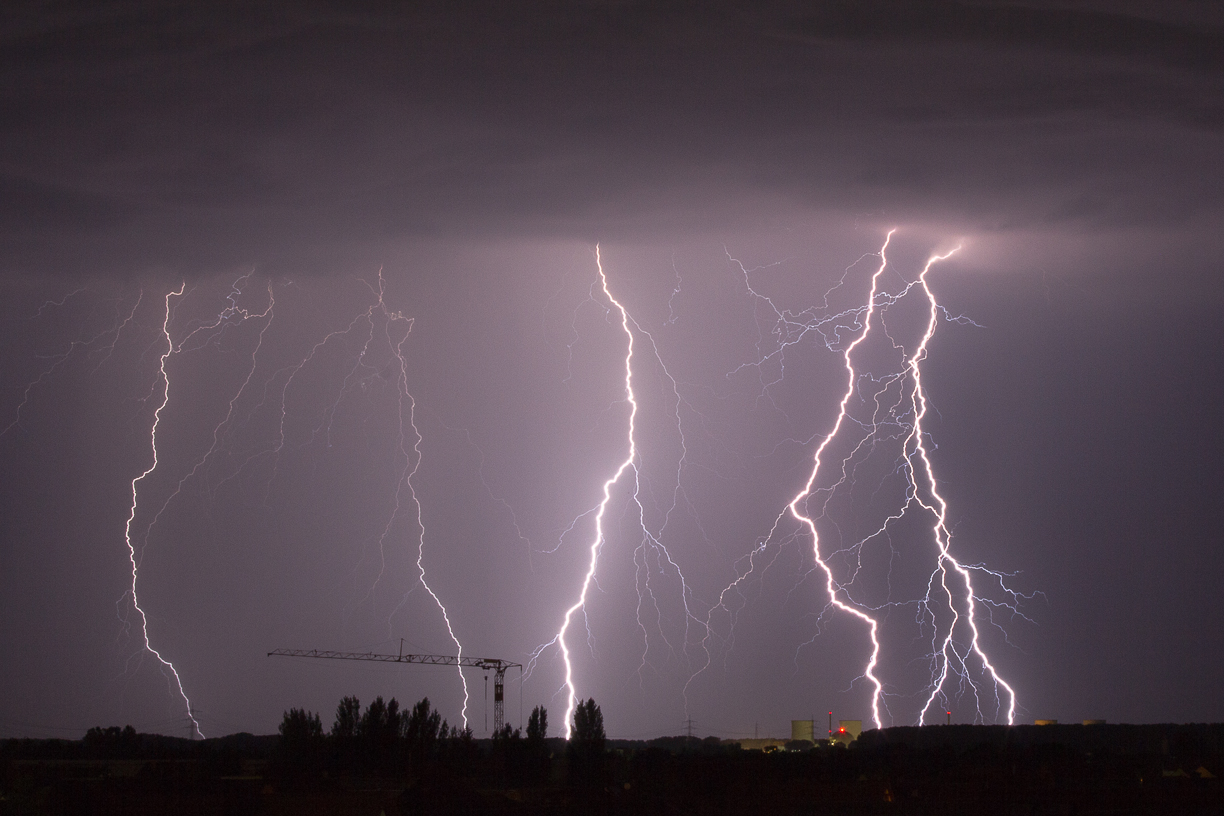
<point x="842" y="730"/>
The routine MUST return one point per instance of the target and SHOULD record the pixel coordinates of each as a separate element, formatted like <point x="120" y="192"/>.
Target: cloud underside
<point x="134" y="137"/>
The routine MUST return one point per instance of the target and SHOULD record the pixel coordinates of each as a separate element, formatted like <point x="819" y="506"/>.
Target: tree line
<point x="387" y="741"/>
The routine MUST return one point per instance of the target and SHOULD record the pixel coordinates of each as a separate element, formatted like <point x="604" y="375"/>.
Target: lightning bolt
<point x="412" y="464"/>
<point x="896" y="419"/>
<point x="105" y="342"/>
<point x="380" y="324"/>
<point x="212" y="330"/>
<point x="650" y="556"/>
<point x="794" y="508"/>
<point x="380" y="318"/>
<point x="598" y="539"/>
<point x="166" y="665"/>
<point x="948" y="654"/>
<point x="202" y="335"/>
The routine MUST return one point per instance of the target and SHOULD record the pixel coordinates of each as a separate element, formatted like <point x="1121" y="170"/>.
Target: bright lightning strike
<point x="208" y="332"/>
<point x="949" y="655"/>
<point x="878" y="411"/>
<point x="795" y="509"/>
<point x="650" y="555"/>
<point x="127" y="530"/>
<point x="597" y="540"/>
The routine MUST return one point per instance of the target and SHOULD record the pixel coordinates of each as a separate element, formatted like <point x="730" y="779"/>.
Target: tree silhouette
<point x="300" y="726"/>
<point x="589" y="726"/>
<point x="586" y="748"/>
<point x="537" y="724"/>
<point x="381" y="721"/>
<point x="379" y="733"/>
<point x="537" y="760"/>
<point x="344" y="733"/>
<point x="299" y="754"/>
<point x="111" y="742"/>
<point x="422" y="730"/>
<point x="348" y="715"/>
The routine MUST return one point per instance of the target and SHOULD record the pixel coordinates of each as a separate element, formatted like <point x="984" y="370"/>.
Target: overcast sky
<point x="267" y="160"/>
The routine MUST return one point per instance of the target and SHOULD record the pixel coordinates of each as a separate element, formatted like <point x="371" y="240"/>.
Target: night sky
<point x="390" y="340"/>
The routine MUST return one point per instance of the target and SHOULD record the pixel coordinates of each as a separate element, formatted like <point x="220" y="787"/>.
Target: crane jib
<point x="497" y="666"/>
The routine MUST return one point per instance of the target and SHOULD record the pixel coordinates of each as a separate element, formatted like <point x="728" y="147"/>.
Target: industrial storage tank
<point x="848" y="731"/>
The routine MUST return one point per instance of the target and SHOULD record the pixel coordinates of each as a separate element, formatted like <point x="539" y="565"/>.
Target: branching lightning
<point x="650" y="555"/>
<point x="884" y="410"/>
<point x="206" y="334"/>
<point x="597" y="540"/>
<point x="412" y="464"/>
<point x="378" y="330"/>
<point x="798" y="512"/>
<point x="880" y="413"/>
<point x="378" y="321"/>
<point x="127" y="530"/>
<point x="949" y="657"/>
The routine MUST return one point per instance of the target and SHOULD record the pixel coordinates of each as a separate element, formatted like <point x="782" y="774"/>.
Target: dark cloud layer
<point x="307" y="134"/>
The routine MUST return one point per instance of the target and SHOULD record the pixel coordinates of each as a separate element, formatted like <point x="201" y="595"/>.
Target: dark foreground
<point x="1102" y="769"/>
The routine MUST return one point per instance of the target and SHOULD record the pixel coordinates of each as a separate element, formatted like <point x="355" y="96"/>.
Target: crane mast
<point x="498" y="667"/>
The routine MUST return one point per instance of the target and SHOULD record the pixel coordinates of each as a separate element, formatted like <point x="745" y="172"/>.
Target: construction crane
<point x="498" y="667"/>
